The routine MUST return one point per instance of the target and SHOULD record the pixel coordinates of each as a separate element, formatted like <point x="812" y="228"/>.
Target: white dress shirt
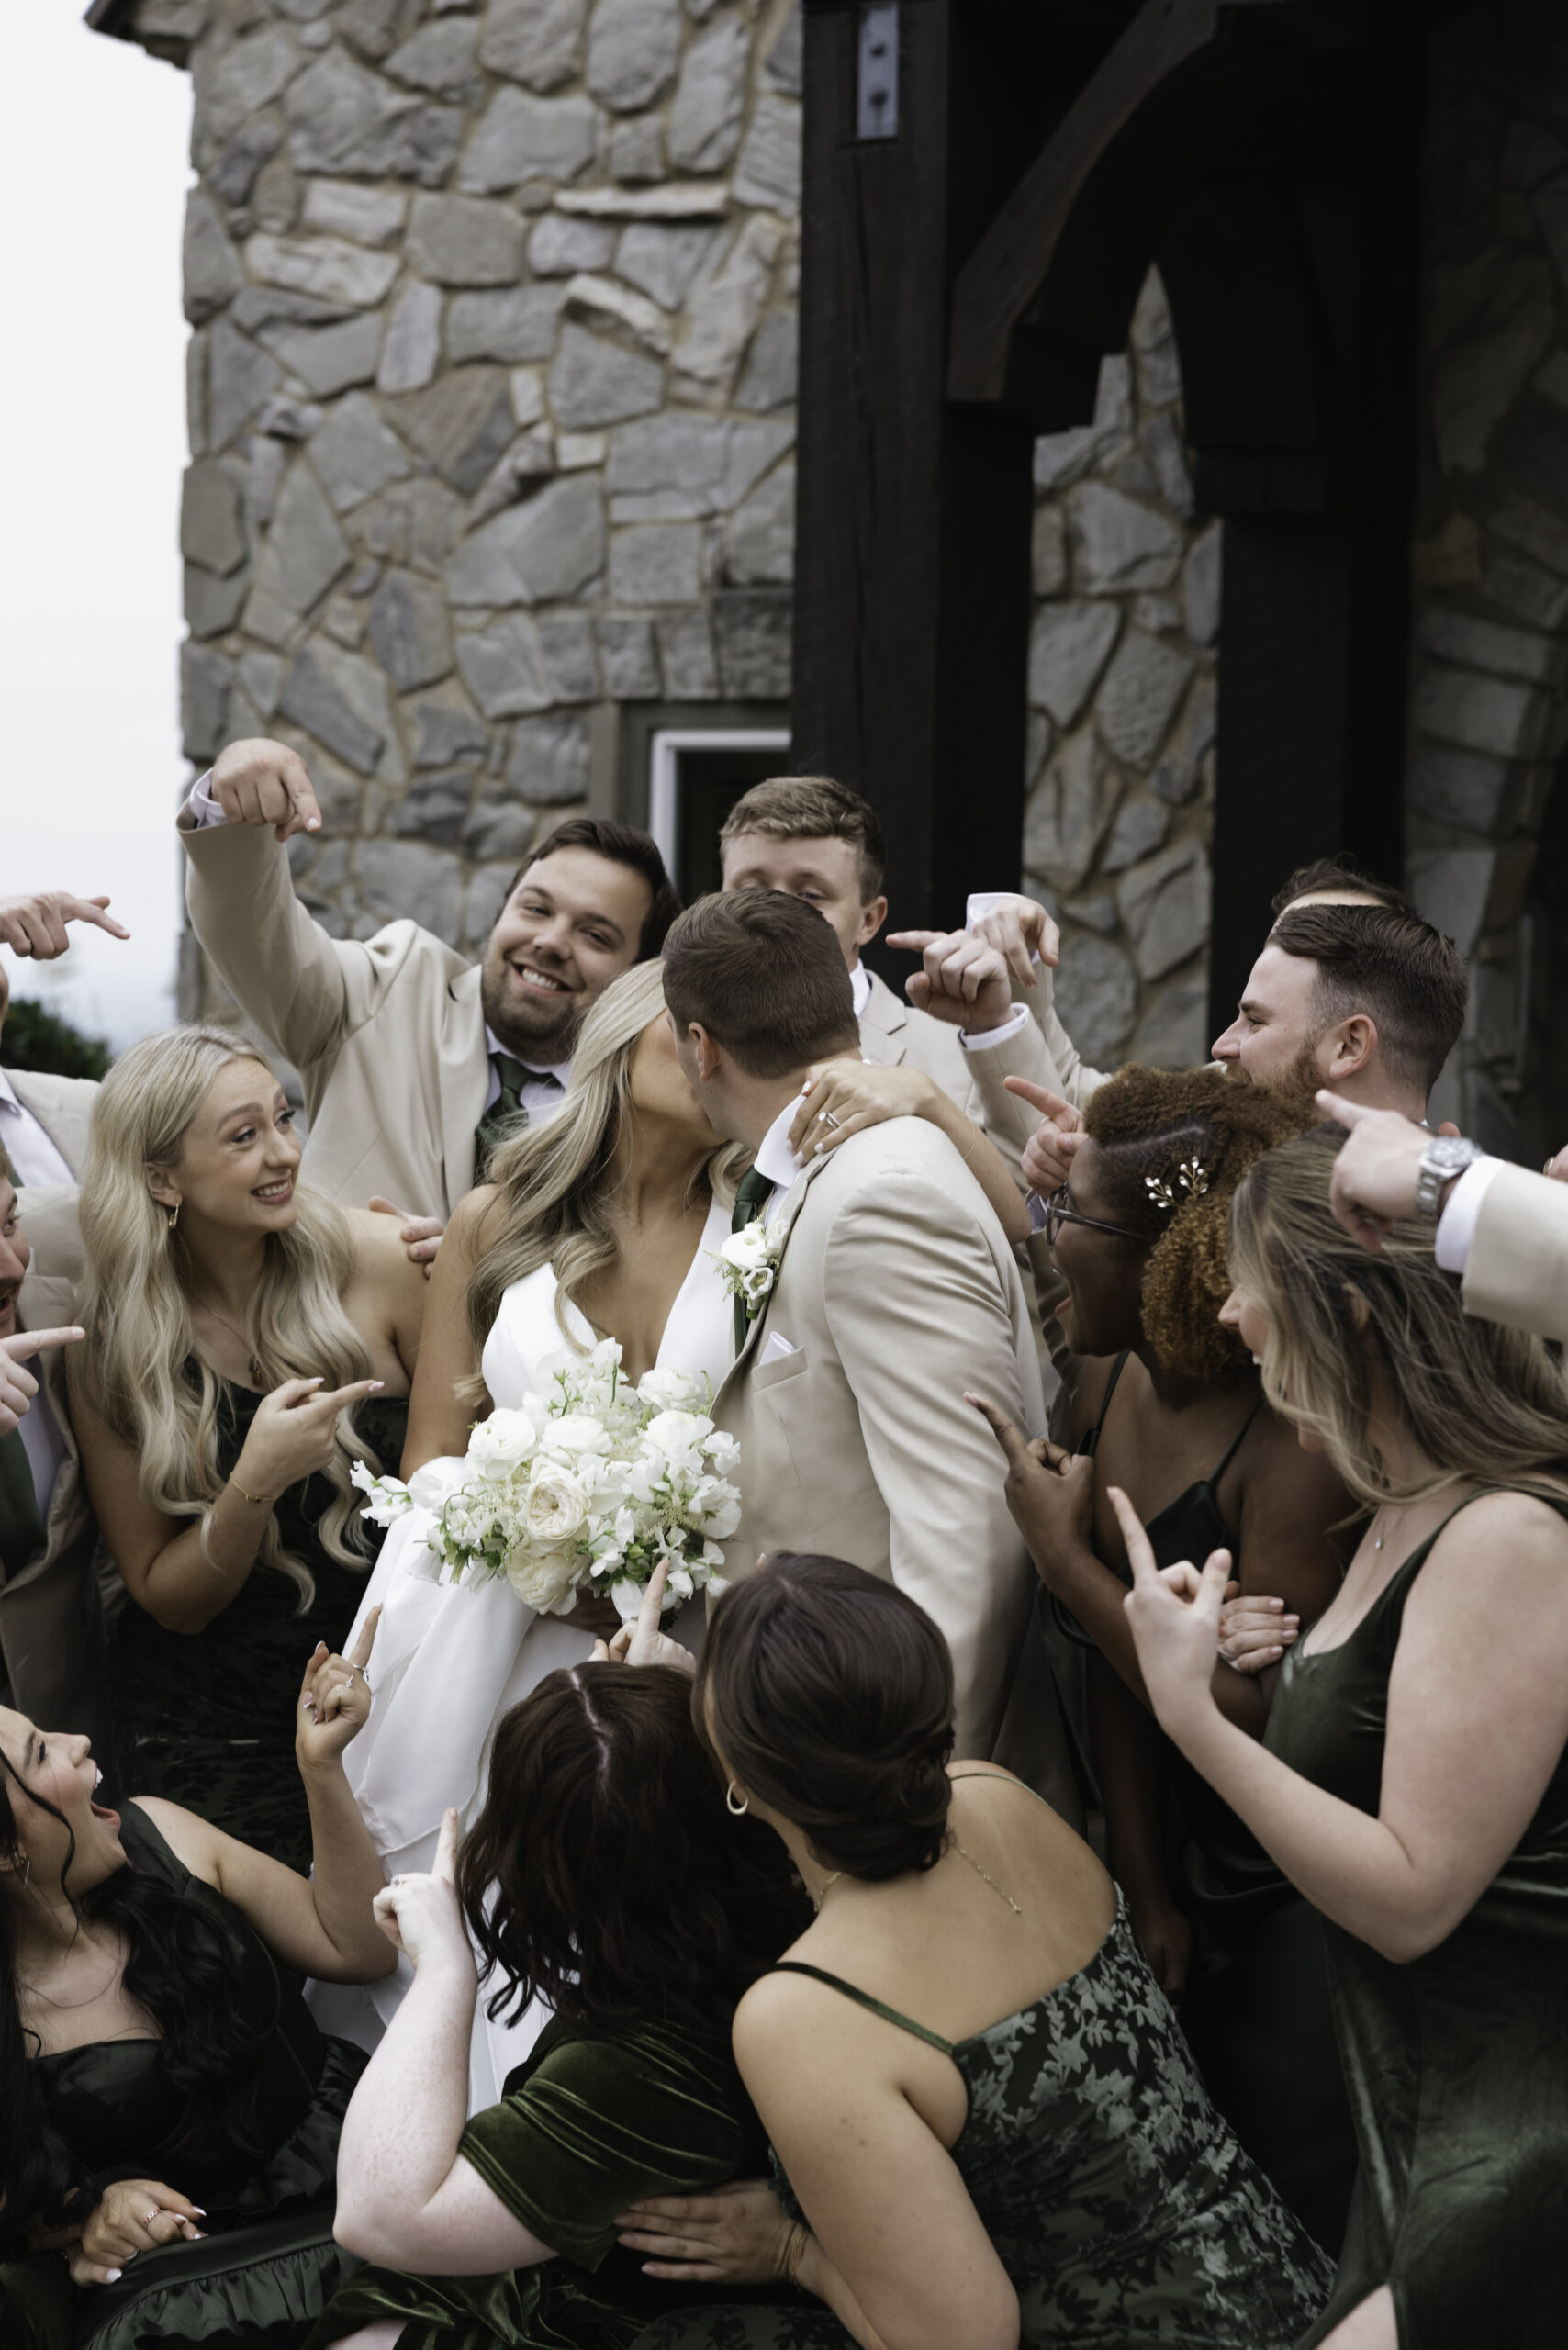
<point x="777" y="1161"/>
<point x="1456" y="1225"/>
<point x="24" y="1142"/>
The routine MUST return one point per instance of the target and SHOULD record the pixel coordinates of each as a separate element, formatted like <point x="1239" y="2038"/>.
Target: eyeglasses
<point x="1055" y="1211"/>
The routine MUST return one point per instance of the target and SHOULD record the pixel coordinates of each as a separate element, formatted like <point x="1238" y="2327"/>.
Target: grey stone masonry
<point x="491" y="384"/>
<point x="1489" y="665"/>
<point x="1121" y="712"/>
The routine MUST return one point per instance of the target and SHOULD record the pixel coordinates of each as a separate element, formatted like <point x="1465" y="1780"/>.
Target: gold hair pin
<point x="1191" y="1180"/>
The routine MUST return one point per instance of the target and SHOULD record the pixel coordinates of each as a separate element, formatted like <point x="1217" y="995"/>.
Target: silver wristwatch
<point x="1445" y="1157"/>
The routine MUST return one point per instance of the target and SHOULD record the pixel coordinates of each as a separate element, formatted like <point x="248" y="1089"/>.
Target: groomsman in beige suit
<point x="44" y="1120"/>
<point x="411" y="1058"/>
<point x="895" y="1290"/>
<point x="51" y="1624"/>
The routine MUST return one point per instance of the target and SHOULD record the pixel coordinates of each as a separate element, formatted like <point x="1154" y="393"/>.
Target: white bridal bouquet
<point x="585" y="1489"/>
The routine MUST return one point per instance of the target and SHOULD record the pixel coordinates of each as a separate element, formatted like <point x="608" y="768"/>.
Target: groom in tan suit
<point x="895" y="1290"/>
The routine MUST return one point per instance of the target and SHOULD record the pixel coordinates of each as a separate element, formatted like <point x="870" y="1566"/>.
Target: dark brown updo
<point x="829" y="1695"/>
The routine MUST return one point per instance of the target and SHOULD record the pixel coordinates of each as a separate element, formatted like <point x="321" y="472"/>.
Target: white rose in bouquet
<point x="577" y="1432"/>
<point x="557" y="1506"/>
<point x="675" y="1391"/>
<point x="545" y="1579"/>
<point x="502" y="1443"/>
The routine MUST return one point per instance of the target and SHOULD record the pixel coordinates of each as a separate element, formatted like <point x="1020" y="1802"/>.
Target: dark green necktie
<point x="755" y="1189"/>
<point x="21" y="1528"/>
<point x="507" y="1114"/>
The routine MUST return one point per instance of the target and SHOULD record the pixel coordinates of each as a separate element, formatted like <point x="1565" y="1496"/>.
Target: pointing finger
<point x="446" y="1850"/>
<point x="359" y="1653"/>
<point x="92" y="910"/>
<point x="342" y="1399"/>
<point x="915" y="941"/>
<point x="1140" y="1551"/>
<point x="1054" y="1106"/>
<point x="1342" y="1113"/>
<point x="27" y="1343"/>
<point x="1007" y="1436"/>
<point x="653" y="1604"/>
<point x="388" y="1207"/>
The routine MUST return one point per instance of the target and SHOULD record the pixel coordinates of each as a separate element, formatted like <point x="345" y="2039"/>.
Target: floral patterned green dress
<point x="1120" y="2204"/>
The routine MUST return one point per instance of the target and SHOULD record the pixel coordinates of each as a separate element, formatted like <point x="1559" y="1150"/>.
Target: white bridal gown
<point x="450" y="1661"/>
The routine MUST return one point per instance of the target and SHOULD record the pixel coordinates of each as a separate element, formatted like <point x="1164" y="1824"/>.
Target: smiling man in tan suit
<point x="895" y="1291"/>
<point x="51" y="1623"/>
<point x="409" y="1055"/>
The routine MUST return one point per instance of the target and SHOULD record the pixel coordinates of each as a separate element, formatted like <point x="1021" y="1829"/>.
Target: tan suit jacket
<point x="387" y="1032"/>
<point x="52" y="1621"/>
<point x="895" y="1032"/>
<point x="1516" y="1272"/>
<point x="64" y="1108"/>
<point x="897" y="1290"/>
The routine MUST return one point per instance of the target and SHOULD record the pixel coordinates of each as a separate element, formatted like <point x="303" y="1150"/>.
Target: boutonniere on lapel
<point x="748" y="1266"/>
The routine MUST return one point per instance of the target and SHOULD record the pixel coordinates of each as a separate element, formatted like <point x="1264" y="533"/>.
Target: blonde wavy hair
<point x="556" y="1181"/>
<point x="1481" y="1401"/>
<point x="140" y="1363"/>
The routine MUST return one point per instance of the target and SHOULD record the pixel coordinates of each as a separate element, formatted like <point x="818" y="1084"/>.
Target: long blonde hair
<point x="555" y="1179"/>
<point x="143" y="1372"/>
<point x="1480" y="1401"/>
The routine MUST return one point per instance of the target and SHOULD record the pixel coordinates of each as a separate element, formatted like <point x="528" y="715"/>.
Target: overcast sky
<point x="92" y="173"/>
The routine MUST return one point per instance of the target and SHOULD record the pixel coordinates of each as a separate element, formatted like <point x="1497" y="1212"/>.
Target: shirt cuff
<point x="995" y="1036"/>
<point x="1456" y="1225"/>
<point x="202" y="808"/>
<point x="980" y="902"/>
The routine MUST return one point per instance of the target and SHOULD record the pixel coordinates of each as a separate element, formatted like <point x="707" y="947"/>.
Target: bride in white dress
<point x="608" y="1219"/>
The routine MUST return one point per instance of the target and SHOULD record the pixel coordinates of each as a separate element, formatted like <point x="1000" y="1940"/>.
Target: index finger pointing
<point x="446" y="1850"/>
<point x="653" y="1602"/>
<point x="1002" y="1429"/>
<point x="1039" y="1097"/>
<point x="1140" y="1550"/>
<point x="1343" y="1113"/>
<point x="915" y="941"/>
<point x="92" y="910"/>
<point x="27" y="1343"/>
<point x="360" y="1653"/>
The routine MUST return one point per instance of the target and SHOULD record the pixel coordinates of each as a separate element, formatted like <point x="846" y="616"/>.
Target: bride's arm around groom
<point x="894" y="1290"/>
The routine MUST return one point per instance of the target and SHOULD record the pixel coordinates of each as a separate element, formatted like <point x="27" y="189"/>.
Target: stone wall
<point x="1489" y="704"/>
<point x="1121" y="712"/>
<point x="490" y="405"/>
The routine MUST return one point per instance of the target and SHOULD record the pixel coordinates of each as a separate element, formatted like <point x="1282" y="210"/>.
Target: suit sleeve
<point x="918" y="1310"/>
<point x="1516" y="1272"/>
<point x="305" y="991"/>
<point x="1077" y="1081"/>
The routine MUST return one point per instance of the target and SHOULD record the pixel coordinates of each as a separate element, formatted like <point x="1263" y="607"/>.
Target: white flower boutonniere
<point x="748" y="1265"/>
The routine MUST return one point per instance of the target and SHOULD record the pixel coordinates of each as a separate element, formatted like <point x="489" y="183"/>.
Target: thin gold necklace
<point x="818" y="1899"/>
<point x="244" y="1341"/>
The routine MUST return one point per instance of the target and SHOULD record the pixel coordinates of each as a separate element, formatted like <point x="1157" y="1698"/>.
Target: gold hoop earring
<point x="736" y="1810"/>
<point x="173" y="1215"/>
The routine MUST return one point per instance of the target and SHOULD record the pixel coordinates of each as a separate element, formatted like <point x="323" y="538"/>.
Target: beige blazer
<point x="896" y="1289"/>
<point x="388" y="1034"/>
<point x="52" y="1621"/>
<point x="1516" y="1272"/>
<point x="64" y="1108"/>
<point x="892" y="1032"/>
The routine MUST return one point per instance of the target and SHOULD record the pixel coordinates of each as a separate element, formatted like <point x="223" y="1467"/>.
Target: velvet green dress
<point x="207" y="1718"/>
<point x="1120" y="2204"/>
<point x="1457" y="2063"/>
<point x="588" y="2125"/>
<point x="268" y="2265"/>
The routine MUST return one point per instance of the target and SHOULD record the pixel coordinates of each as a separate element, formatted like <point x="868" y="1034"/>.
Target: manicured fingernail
<point x="197" y="2209"/>
<point x="376" y="1386"/>
<point x="113" y="2275"/>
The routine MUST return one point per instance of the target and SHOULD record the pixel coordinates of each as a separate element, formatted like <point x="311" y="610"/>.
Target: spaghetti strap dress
<point x="1457" y="2062"/>
<point x="1257" y="2009"/>
<point x="264" y="2170"/>
<point x="207" y="1718"/>
<point x="1120" y="2204"/>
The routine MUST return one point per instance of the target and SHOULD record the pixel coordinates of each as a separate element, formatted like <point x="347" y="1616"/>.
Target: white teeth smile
<point x="526" y="972"/>
<point x="271" y="1191"/>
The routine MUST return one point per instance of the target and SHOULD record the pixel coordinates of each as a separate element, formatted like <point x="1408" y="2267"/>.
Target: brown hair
<point x="621" y="845"/>
<point x="1341" y="872"/>
<point x="812" y="808"/>
<point x="1150" y="1124"/>
<point x="829" y="1695"/>
<point x="1391" y="965"/>
<point x="766" y="976"/>
<point x="604" y="1875"/>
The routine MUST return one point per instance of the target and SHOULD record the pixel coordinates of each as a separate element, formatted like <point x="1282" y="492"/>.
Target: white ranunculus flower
<point x="577" y="1432"/>
<point x="675" y="1433"/>
<point x="674" y="1391"/>
<point x="748" y="1249"/>
<point x="544" y="1580"/>
<point x="557" y="1505"/>
<point x="502" y="1443"/>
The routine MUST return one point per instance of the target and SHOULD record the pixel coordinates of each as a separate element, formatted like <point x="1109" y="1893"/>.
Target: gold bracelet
<point x="800" y="2238"/>
<point x="257" y="1501"/>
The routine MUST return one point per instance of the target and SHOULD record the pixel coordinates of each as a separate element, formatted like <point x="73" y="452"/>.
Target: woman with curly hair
<point x="1170" y="1409"/>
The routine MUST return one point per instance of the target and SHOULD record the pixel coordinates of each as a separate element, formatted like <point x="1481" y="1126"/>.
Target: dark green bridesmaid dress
<point x="1457" y="2063"/>
<point x="268" y="2265"/>
<point x="207" y="1718"/>
<point x="1120" y="2204"/>
<point x="588" y="2125"/>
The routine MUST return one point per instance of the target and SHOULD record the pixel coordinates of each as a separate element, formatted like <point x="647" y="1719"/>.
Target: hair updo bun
<point x="829" y="1695"/>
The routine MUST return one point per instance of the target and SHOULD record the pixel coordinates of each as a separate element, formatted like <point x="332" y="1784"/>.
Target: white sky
<point x="93" y="172"/>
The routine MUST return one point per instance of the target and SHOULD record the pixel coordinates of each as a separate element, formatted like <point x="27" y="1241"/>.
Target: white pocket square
<point x="775" y="1346"/>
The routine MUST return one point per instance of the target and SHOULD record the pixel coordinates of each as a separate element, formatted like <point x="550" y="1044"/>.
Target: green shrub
<point x="36" y="1038"/>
